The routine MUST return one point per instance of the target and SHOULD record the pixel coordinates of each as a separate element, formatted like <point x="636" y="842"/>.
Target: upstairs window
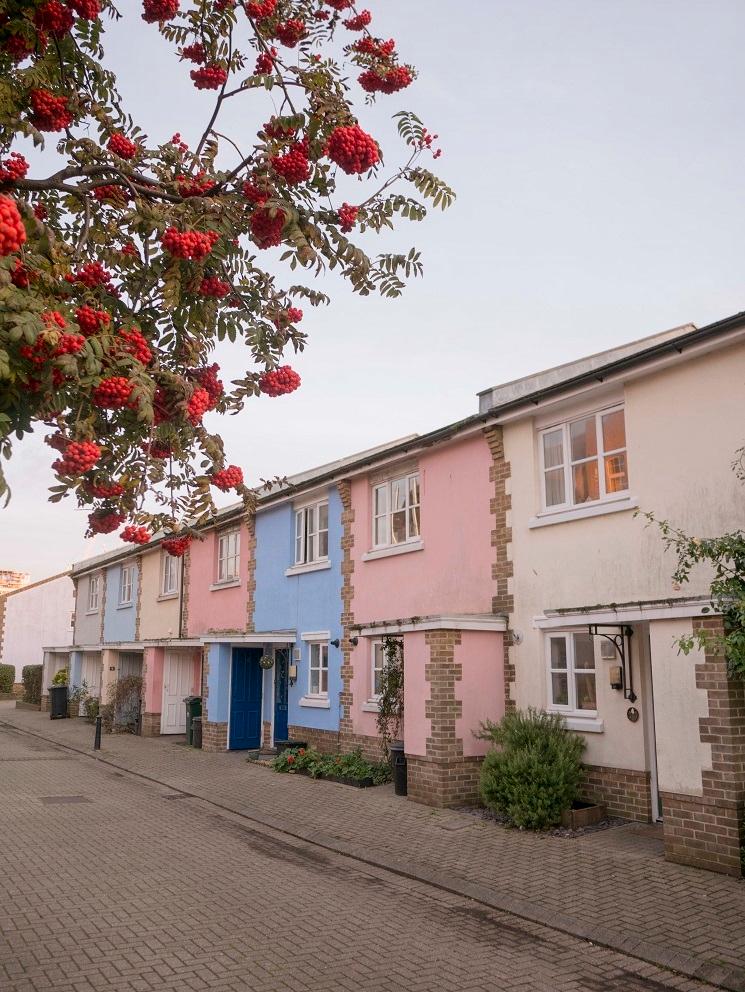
<point x="396" y="511"/>
<point x="125" y="586"/>
<point x="312" y="533"/>
<point x="169" y="572"/>
<point x="571" y="672"/>
<point x="93" y="585"/>
<point x="584" y="460"/>
<point x="228" y="554"/>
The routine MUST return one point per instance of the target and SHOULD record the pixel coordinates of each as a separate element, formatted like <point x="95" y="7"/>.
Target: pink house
<point x="420" y="565"/>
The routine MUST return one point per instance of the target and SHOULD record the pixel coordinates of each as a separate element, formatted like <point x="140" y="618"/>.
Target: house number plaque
<point x="632" y="713"/>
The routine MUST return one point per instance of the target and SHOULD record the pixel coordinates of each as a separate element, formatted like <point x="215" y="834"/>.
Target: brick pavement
<point x="613" y="887"/>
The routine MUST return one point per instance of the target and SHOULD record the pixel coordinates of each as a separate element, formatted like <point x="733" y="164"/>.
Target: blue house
<point x="298" y="588"/>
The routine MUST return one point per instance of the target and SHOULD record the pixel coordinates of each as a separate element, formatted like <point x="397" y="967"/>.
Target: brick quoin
<point x="346" y="698"/>
<point x="708" y="831"/>
<point x="251" y="581"/>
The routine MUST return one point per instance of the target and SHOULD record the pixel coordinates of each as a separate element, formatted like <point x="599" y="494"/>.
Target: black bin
<point x="398" y="760"/>
<point x="196" y="731"/>
<point x="193" y="709"/>
<point x="57" y="702"/>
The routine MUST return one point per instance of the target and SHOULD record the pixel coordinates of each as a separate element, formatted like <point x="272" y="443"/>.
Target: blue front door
<point x="245" y="699"/>
<point x="281" y="661"/>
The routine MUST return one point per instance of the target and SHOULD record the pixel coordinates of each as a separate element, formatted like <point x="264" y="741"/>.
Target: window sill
<point x="91" y="613"/>
<point x="583" y="724"/>
<point x="167" y="596"/>
<point x="549" y="517"/>
<point x="395" y="549"/>
<point x="371" y="706"/>
<point x="316" y="702"/>
<point x="125" y="606"/>
<point x="311" y="566"/>
<point x="232" y="584"/>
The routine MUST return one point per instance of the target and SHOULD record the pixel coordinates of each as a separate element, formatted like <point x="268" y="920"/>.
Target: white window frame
<point x="567" y="463"/>
<point x="570" y="709"/>
<point x="169" y="569"/>
<point x="228" y="558"/>
<point x="126" y="585"/>
<point x="94" y="583"/>
<point x="322" y="654"/>
<point x="309" y="533"/>
<point x="375" y="647"/>
<point x="387" y="514"/>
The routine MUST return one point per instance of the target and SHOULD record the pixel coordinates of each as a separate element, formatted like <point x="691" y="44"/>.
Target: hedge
<point x="31" y="678"/>
<point x="7" y="677"/>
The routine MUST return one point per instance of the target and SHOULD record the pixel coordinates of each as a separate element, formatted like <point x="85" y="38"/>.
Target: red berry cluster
<point x="54" y="17"/>
<point x="158" y="449"/>
<point x="181" y="146"/>
<point x="294" y="315"/>
<point x="294" y="167"/>
<point x="352" y="149"/>
<point x="69" y="344"/>
<point x="374" y="47"/>
<point x="194" y="53"/>
<point x="87" y="9"/>
<point x="112" y="393"/>
<point x="78" y="457"/>
<point x="255" y="193"/>
<point x="275" y="130"/>
<point x="20" y="276"/>
<point x="199" y="403"/>
<point x="265" y="62"/>
<point x="214" y="286"/>
<point x="136" y="345"/>
<point x="13" y="167"/>
<point x="194" y="185"/>
<point x="340" y="4"/>
<point x="117" y="196"/>
<point x="176" y="546"/>
<point x="207" y="379"/>
<point x="359" y="22"/>
<point x="52" y="318"/>
<point x="40" y="211"/>
<point x="121" y="146"/>
<point x="93" y="274"/>
<point x="189" y="244"/>
<point x="159" y="10"/>
<point x="279" y="381"/>
<point x="390" y="81"/>
<point x="209" y="77"/>
<point x="12" y="231"/>
<point x="133" y="534"/>
<point x="228" y="478"/>
<point x="259" y="10"/>
<point x="104" y="490"/>
<point x="267" y="226"/>
<point x="290" y="32"/>
<point x="103" y="521"/>
<point x="91" y="321"/>
<point x="49" y="113"/>
<point x="347" y="217"/>
<point x="19" y="48"/>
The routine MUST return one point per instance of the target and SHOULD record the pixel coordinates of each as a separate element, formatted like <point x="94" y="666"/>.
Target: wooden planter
<point x="583" y="815"/>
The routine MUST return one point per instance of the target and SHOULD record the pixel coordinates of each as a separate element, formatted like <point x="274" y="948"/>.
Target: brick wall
<point x="266" y="733"/>
<point x="251" y="581"/>
<point x="625" y="791"/>
<point x="185" y="571"/>
<point x="501" y="536"/>
<point x="150" y="725"/>
<point x="346" y="697"/>
<point x="444" y="781"/>
<point x="326" y="741"/>
<point x="708" y="831"/>
<point x="214" y="736"/>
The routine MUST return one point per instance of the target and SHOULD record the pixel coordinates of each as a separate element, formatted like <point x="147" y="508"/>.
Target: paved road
<point x="113" y="883"/>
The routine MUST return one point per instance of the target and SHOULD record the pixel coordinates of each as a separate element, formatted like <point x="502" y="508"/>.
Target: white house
<point x="33" y="617"/>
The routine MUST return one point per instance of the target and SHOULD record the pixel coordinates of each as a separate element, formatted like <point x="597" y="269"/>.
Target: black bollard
<point x="97" y="738"/>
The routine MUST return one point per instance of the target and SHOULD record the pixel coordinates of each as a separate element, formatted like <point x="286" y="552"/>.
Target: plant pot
<point x="583" y="815"/>
<point x="73" y="708"/>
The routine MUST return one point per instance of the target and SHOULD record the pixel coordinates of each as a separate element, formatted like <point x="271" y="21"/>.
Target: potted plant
<point x="58" y="695"/>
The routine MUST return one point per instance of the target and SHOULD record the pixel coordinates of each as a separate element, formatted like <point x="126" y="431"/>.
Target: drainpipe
<point x="181" y="600"/>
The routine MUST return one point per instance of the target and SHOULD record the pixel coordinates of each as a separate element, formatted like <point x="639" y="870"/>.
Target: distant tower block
<point x="10" y="581"/>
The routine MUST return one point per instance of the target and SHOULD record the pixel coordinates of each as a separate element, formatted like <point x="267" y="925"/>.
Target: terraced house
<point x="508" y="555"/>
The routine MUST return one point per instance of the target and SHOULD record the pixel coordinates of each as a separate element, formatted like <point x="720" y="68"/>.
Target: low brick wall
<point x="266" y="734"/>
<point x="625" y="791"/>
<point x="443" y="782"/>
<point x="325" y="741"/>
<point x="214" y="736"/>
<point x="45" y="704"/>
<point x="150" y="725"/>
<point x="703" y="832"/>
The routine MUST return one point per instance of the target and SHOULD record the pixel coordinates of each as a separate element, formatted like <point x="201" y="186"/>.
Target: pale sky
<point x="597" y="150"/>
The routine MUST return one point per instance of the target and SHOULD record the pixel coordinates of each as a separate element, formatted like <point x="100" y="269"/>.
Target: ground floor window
<point x="571" y="671"/>
<point x="318" y="682"/>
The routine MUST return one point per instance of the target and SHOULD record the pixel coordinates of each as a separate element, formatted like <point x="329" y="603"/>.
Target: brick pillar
<point x="501" y="536"/>
<point x="708" y="831"/>
<point x="184" y="619"/>
<point x="443" y="776"/>
<point x="346" y="698"/>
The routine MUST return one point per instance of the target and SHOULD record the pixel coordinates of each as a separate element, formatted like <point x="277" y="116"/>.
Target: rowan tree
<point x="121" y="270"/>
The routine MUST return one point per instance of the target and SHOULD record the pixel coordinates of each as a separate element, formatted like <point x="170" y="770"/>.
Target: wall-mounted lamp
<point x="292" y="674"/>
<point x="616" y="677"/>
<point x="354" y="641"/>
<point x="335" y="643"/>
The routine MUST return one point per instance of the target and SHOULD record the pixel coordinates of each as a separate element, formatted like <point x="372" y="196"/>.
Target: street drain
<point x="55" y="800"/>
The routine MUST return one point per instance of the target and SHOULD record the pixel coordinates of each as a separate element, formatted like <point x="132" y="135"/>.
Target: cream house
<point x="589" y="447"/>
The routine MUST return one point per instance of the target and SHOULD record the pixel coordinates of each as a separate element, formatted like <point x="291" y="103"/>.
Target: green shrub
<point x="91" y="708"/>
<point x="352" y="765"/>
<point x="31" y="678"/>
<point x="62" y="677"/>
<point x="7" y="677"/>
<point x="535" y="773"/>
